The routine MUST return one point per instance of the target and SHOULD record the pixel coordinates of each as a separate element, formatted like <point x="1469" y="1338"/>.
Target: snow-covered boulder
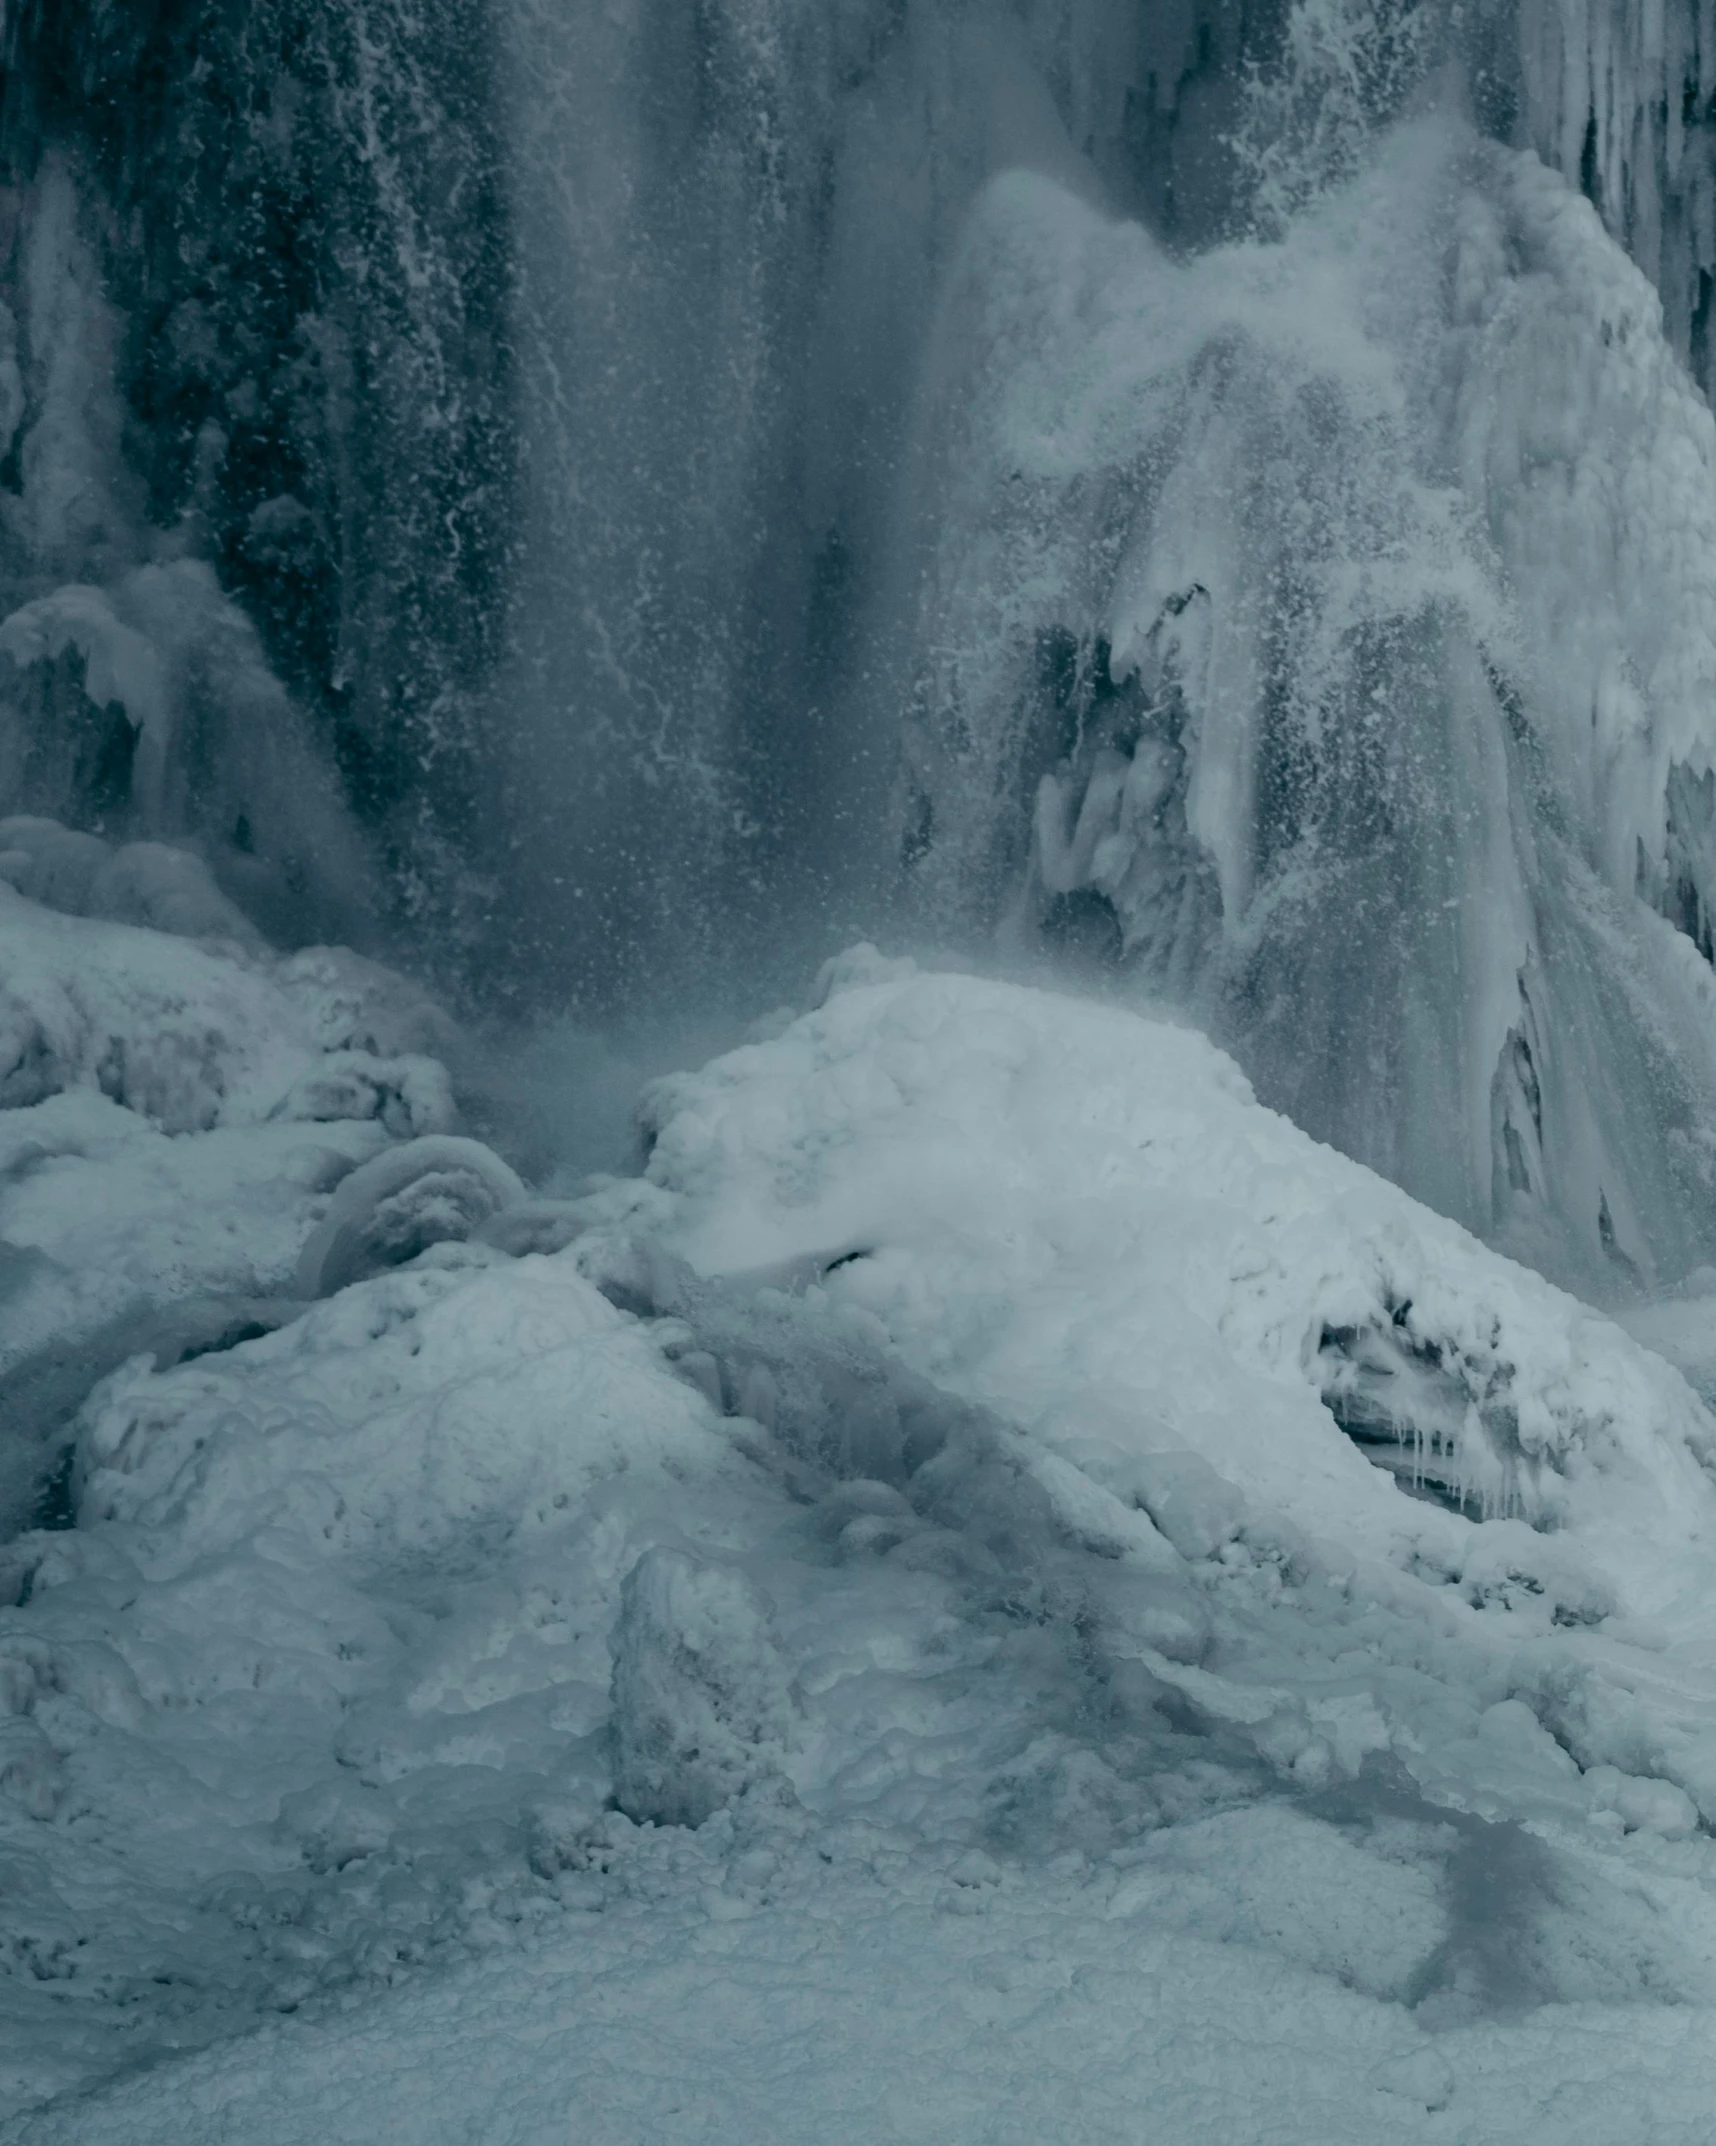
<point x="1081" y="1218"/>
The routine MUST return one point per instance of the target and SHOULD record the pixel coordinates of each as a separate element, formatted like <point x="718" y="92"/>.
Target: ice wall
<point x="1317" y="632"/>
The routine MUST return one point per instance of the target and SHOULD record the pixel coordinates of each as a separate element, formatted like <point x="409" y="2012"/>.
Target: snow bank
<point x="952" y="2013"/>
<point x="1082" y="1222"/>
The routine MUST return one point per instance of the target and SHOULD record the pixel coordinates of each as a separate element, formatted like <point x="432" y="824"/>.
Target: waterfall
<point x="731" y="225"/>
<point x="1216" y="496"/>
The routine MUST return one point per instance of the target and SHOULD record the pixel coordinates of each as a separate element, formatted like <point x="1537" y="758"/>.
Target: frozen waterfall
<point x="1219" y="497"/>
<point x="1320" y="630"/>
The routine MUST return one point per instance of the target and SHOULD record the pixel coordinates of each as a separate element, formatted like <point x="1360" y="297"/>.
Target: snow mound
<point x="1082" y="1218"/>
<point x="146" y="883"/>
<point x="1176" y="1305"/>
<point x="188" y="1036"/>
<point x="174" y="1115"/>
<point x="330" y="1635"/>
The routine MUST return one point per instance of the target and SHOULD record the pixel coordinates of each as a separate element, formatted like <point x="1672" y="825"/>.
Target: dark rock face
<point x="297" y="214"/>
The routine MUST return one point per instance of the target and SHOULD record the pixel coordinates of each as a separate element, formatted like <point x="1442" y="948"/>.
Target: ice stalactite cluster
<point x="1620" y="96"/>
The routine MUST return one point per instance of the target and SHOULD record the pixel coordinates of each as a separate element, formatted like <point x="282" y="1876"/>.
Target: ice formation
<point x="1622" y="98"/>
<point x="1320" y="627"/>
<point x="136" y="698"/>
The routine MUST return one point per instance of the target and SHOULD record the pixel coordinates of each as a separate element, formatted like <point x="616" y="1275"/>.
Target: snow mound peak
<point x="1081" y="1218"/>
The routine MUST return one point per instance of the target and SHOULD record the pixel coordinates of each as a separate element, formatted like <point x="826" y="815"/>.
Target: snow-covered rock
<point x="1084" y="1220"/>
<point x="174" y="1115"/>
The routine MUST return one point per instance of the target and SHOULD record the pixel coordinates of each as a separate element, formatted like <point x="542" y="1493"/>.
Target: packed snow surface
<point x="998" y="1590"/>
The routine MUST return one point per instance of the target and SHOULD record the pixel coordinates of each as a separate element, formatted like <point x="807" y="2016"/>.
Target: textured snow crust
<point x="881" y="1635"/>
